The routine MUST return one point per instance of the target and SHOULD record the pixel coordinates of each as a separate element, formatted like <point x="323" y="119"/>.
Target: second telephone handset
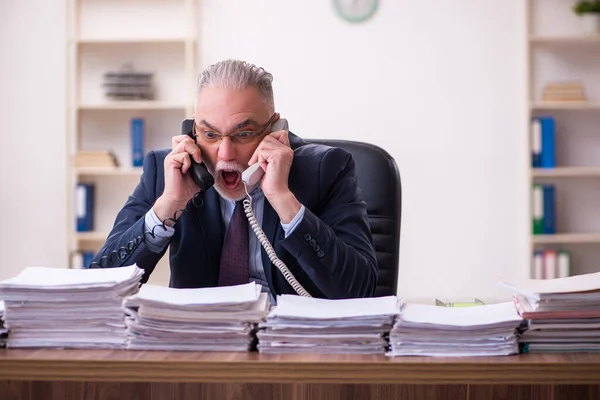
<point x="250" y="177"/>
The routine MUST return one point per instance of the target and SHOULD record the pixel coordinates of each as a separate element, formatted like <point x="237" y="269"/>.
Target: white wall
<point x="438" y="84"/>
<point x="441" y="86"/>
<point x="32" y="135"/>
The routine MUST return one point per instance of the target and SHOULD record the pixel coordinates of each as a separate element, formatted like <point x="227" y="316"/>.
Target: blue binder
<point x="88" y="256"/>
<point x="548" y="156"/>
<point x="84" y="207"/>
<point x="536" y="143"/>
<point x="549" y="209"/>
<point x="137" y="142"/>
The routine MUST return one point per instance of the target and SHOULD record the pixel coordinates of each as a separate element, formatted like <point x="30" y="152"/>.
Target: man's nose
<point x="226" y="150"/>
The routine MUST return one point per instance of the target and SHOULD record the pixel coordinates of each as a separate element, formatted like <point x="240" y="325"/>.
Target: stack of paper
<point x="310" y="325"/>
<point x="428" y="330"/>
<point x="3" y="330"/>
<point x="204" y="319"/>
<point x="57" y="307"/>
<point x="562" y="314"/>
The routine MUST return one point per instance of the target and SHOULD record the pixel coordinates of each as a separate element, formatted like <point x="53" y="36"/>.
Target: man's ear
<point x="277" y="116"/>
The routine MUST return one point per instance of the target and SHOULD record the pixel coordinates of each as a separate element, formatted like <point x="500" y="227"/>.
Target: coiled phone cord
<point x="262" y="238"/>
<point x="126" y="251"/>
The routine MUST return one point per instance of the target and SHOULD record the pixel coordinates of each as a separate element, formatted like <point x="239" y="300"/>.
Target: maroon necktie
<point x="234" y="256"/>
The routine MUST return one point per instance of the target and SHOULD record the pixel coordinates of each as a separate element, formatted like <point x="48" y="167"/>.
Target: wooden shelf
<point x="565" y="172"/>
<point x="588" y="105"/>
<point x="91" y="236"/>
<point x="114" y="171"/>
<point x="564" y="39"/>
<point x="130" y="40"/>
<point x="566" y="238"/>
<point x="132" y="105"/>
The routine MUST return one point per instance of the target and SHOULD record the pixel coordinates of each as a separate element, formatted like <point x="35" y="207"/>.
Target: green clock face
<point x="355" y="10"/>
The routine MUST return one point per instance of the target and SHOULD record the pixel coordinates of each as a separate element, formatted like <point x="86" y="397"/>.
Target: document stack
<point x="310" y="325"/>
<point x="562" y="314"/>
<point x="68" y="308"/>
<point x="3" y="330"/>
<point x="428" y="330"/>
<point x="205" y="319"/>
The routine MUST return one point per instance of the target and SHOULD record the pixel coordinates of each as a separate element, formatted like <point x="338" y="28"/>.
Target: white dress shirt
<point x="256" y="269"/>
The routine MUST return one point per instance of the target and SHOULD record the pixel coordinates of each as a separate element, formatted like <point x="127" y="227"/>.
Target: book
<point x="536" y="143"/>
<point x="563" y="267"/>
<point x="95" y="159"/>
<point x="548" y="153"/>
<point x="543" y="209"/>
<point x="563" y="92"/>
<point x="549" y="271"/>
<point x="538" y="264"/>
<point x="550" y="264"/>
<point x="538" y="209"/>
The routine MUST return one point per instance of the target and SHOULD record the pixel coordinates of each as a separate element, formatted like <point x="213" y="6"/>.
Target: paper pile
<point x="562" y="314"/>
<point x="311" y="325"/>
<point x="204" y="319"/>
<point x="3" y="330"/>
<point x="428" y="330"/>
<point x="70" y="308"/>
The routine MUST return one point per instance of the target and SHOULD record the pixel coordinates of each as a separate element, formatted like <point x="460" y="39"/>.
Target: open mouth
<point x="230" y="179"/>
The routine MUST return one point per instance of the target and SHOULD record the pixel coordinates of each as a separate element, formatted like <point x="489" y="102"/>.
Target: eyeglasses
<point x="243" y="137"/>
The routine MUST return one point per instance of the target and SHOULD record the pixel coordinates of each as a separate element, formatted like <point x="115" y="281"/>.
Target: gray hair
<point x="237" y="75"/>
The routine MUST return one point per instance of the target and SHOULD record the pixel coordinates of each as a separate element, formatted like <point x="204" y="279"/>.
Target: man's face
<point x="220" y="111"/>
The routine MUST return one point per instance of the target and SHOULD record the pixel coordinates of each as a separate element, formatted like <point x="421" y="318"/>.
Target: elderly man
<point x="307" y="202"/>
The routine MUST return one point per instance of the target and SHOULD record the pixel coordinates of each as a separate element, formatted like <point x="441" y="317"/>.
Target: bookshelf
<point x="575" y="106"/>
<point x="158" y="37"/>
<point x="559" y="50"/>
<point x="132" y="105"/>
<point x="566" y="172"/>
<point x="564" y="40"/>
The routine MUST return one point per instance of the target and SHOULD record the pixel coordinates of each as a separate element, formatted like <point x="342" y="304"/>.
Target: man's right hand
<point x="179" y="184"/>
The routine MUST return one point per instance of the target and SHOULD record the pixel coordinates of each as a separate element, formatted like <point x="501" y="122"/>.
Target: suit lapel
<point x="269" y="225"/>
<point x="211" y="224"/>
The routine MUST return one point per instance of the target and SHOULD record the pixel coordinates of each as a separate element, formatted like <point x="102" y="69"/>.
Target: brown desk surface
<point x="159" y="366"/>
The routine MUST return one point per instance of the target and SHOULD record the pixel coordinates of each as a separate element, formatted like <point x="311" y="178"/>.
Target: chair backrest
<point x="379" y="181"/>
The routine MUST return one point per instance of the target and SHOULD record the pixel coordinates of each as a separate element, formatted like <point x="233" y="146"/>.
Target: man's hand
<point x="179" y="185"/>
<point x="276" y="156"/>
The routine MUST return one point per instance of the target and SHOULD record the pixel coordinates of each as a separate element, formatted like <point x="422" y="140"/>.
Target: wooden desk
<point x="99" y="374"/>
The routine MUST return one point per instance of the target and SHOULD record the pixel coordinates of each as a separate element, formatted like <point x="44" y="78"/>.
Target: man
<point x="307" y="203"/>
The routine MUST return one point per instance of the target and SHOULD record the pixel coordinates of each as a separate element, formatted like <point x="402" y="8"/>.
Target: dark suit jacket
<point x="330" y="252"/>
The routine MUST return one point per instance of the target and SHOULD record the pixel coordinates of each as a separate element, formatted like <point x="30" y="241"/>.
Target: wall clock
<point x="355" y="10"/>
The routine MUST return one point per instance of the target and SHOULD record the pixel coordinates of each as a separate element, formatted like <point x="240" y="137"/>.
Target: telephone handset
<point x="199" y="172"/>
<point x="250" y="177"/>
<point x="254" y="173"/>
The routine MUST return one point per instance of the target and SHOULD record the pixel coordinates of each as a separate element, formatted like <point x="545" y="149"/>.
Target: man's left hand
<point x="276" y="156"/>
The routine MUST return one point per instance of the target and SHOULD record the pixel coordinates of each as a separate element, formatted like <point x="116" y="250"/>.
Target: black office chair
<point x="379" y="181"/>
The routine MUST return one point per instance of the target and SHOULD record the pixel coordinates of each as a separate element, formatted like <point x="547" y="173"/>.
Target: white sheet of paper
<point x="46" y="277"/>
<point x="460" y="316"/>
<point x="245" y="293"/>
<point x="314" y="308"/>
<point x="572" y="284"/>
